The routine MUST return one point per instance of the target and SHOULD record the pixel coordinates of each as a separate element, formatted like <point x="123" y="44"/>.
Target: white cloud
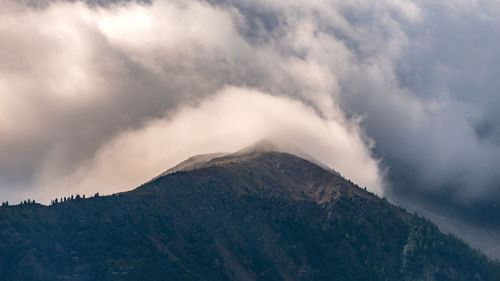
<point x="227" y="121"/>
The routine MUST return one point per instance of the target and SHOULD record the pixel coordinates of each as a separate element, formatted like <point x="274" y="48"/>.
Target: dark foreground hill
<point x="248" y="216"/>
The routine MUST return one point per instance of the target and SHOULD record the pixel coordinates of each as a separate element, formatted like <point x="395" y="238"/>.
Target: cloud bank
<point x="405" y="89"/>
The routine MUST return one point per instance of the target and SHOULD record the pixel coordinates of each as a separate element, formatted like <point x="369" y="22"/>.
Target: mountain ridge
<point x="263" y="146"/>
<point x="257" y="216"/>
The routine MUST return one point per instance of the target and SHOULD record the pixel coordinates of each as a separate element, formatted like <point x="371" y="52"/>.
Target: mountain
<point x="256" y="214"/>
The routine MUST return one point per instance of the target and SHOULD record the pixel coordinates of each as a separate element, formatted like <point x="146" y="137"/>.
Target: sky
<point x="399" y="96"/>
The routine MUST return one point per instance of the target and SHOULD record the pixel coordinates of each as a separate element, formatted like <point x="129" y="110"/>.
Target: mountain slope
<point x="247" y="216"/>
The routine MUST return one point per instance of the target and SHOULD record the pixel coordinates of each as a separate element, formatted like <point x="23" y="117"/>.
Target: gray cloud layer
<point x="406" y="91"/>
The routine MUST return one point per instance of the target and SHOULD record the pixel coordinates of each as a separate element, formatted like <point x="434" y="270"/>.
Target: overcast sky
<point x="400" y="96"/>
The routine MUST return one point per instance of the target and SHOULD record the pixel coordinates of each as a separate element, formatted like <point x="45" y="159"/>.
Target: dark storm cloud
<point x="450" y="69"/>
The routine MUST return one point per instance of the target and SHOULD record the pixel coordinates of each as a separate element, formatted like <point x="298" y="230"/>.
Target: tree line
<point x="54" y="201"/>
<point x="70" y="198"/>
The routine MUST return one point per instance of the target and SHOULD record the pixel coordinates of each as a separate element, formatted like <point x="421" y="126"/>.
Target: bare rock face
<point x="256" y="214"/>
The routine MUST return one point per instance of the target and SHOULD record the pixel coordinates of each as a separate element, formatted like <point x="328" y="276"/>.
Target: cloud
<point x="443" y="140"/>
<point x="70" y="82"/>
<point x="227" y="121"/>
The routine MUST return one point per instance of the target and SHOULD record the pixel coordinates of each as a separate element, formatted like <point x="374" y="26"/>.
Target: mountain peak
<point x="263" y="146"/>
<point x="255" y="214"/>
<point x="291" y="175"/>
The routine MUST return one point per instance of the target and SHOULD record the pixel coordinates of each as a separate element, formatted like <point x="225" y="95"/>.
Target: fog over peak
<point x="227" y="121"/>
<point x="398" y="95"/>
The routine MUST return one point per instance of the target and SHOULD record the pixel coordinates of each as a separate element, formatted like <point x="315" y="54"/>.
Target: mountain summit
<point x="251" y="215"/>
<point x="260" y="147"/>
